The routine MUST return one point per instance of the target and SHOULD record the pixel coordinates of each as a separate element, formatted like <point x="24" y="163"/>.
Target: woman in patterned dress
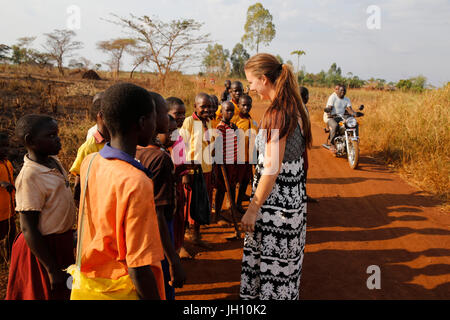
<point x="275" y="221"/>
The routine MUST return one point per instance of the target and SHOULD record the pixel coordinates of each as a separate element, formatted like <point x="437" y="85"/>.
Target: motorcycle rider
<point x="337" y="106"/>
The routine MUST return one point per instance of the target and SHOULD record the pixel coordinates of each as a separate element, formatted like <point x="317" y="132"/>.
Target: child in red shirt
<point x="226" y="155"/>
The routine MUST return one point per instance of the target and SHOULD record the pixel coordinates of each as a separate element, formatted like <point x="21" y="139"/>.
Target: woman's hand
<point x="249" y="219"/>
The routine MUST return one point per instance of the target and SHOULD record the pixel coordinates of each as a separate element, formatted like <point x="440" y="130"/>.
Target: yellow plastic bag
<point x="84" y="288"/>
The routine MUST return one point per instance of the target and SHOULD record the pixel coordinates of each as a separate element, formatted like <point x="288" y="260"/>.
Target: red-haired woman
<point x="275" y="221"/>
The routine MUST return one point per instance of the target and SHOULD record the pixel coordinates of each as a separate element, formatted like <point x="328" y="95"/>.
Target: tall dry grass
<point x="410" y="131"/>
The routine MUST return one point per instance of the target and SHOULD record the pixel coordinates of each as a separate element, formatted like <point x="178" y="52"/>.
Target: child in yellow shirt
<point x="94" y="143"/>
<point x="196" y="132"/>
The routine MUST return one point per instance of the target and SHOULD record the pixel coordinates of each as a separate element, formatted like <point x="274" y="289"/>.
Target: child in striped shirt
<point x="226" y="155"/>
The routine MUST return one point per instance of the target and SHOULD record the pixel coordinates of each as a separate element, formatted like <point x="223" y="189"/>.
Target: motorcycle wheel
<point x="353" y="154"/>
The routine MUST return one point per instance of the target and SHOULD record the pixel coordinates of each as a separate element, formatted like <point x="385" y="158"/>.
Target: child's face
<point x="46" y="141"/>
<point x="201" y="107"/>
<point x="245" y="105"/>
<point x="4" y="148"/>
<point x="213" y="109"/>
<point x="236" y="91"/>
<point x="179" y="113"/>
<point x="227" y="111"/>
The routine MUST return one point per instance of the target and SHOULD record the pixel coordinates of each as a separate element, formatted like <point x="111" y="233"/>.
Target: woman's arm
<point x="29" y="221"/>
<point x="273" y="160"/>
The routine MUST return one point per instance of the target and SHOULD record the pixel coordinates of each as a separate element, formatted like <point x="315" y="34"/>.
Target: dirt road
<point x="364" y="217"/>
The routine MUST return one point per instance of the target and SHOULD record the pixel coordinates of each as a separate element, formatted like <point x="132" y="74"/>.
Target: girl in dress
<point x="275" y="221"/>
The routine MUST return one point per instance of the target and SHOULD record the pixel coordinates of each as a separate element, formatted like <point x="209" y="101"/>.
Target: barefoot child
<point x="47" y="213"/>
<point x="119" y="248"/>
<point x="226" y="155"/>
<point x="196" y="132"/>
<point x="158" y="161"/>
<point x="7" y="221"/>
<point x="248" y="129"/>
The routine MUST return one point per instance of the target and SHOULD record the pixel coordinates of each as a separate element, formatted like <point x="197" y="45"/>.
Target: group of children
<point x="133" y="187"/>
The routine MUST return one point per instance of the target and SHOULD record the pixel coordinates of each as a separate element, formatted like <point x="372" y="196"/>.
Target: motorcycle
<point x="347" y="139"/>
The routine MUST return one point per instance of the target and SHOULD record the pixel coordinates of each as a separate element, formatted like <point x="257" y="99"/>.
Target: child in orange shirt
<point x="119" y="245"/>
<point x="7" y="222"/>
<point x="213" y="110"/>
<point x="236" y="91"/>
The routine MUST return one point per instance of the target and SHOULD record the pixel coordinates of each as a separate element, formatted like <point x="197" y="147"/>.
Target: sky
<point x="388" y="39"/>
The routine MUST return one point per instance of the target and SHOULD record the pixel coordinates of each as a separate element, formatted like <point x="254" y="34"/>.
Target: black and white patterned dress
<point x="273" y="253"/>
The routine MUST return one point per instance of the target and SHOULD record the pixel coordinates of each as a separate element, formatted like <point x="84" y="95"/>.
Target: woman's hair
<point x="287" y="106"/>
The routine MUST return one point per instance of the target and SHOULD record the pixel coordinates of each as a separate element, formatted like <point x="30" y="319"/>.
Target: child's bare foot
<point x="184" y="255"/>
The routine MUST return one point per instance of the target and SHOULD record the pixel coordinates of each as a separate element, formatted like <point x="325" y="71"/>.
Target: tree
<point x="23" y="54"/>
<point x="4" y="51"/>
<point x="299" y="53"/>
<point x="279" y="58"/>
<point x="239" y="57"/>
<point x="116" y="48"/>
<point x="60" y="45"/>
<point x="168" y="45"/>
<point x="258" y="28"/>
<point x="215" y="59"/>
<point x="21" y="50"/>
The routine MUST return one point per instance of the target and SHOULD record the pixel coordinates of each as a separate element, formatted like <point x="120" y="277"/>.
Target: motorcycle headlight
<point x="351" y="122"/>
